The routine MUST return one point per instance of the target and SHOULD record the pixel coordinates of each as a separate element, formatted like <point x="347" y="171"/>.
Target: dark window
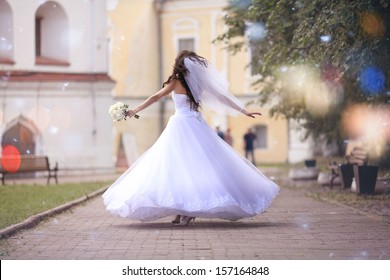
<point x="38" y="36"/>
<point x="187" y="44"/>
<point x="261" y="136"/>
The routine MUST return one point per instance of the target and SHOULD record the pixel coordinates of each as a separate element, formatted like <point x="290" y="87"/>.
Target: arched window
<point x="6" y="33"/>
<point x="51" y="35"/>
<point x="186" y="32"/>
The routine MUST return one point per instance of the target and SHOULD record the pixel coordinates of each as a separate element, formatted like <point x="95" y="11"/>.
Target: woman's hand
<point x="132" y="113"/>
<point x="252" y="114"/>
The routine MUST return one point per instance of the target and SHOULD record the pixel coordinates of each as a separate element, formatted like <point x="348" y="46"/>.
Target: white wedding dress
<point x="190" y="171"/>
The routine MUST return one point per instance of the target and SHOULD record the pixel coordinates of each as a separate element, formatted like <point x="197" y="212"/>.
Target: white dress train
<point x="190" y="171"/>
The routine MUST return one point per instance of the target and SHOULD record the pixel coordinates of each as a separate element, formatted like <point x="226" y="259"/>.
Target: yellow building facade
<point x="145" y="37"/>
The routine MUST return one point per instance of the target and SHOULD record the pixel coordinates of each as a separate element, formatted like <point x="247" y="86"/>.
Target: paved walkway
<point x="294" y="227"/>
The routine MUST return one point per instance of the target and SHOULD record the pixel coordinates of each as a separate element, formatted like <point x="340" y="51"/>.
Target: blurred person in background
<point x="249" y="145"/>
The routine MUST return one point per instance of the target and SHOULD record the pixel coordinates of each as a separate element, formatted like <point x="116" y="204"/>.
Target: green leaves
<point x="339" y="36"/>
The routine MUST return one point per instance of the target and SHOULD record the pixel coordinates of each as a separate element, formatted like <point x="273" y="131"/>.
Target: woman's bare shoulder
<point x="178" y="87"/>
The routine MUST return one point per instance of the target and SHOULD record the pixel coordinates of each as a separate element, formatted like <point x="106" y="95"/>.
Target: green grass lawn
<point x="18" y="202"/>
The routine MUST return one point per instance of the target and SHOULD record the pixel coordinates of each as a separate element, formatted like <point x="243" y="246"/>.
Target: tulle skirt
<point x="190" y="171"/>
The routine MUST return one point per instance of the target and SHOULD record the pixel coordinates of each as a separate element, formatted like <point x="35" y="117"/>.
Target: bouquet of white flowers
<point x="118" y="111"/>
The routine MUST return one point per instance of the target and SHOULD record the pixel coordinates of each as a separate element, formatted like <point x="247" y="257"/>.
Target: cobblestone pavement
<point x="294" y="227"/>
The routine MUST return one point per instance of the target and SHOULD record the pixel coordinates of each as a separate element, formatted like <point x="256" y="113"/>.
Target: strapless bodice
<point x="182" y="106"/>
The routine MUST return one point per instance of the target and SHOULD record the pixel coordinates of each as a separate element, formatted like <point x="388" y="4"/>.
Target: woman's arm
<point x="233" y="105"/>
<point x="152" y="99"/>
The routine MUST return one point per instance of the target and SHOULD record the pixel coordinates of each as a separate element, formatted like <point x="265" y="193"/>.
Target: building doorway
<point x="21" y="134"/>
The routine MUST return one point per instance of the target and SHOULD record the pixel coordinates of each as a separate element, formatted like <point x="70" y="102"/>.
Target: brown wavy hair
<point x="180" y="71"/>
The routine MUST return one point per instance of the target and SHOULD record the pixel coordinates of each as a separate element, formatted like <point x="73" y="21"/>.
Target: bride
<point x="189" y="171"/>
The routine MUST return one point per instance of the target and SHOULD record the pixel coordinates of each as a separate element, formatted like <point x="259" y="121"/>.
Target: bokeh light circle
<point x="256" y="31"/>
<point x="372" y="80"/>
<point x="368" y="124"/>
<point x="372" y="24"/>
<point x="10" y="158"/>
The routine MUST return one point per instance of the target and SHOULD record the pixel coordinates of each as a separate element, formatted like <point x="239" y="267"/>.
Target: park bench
<point x="29" y="164"/>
